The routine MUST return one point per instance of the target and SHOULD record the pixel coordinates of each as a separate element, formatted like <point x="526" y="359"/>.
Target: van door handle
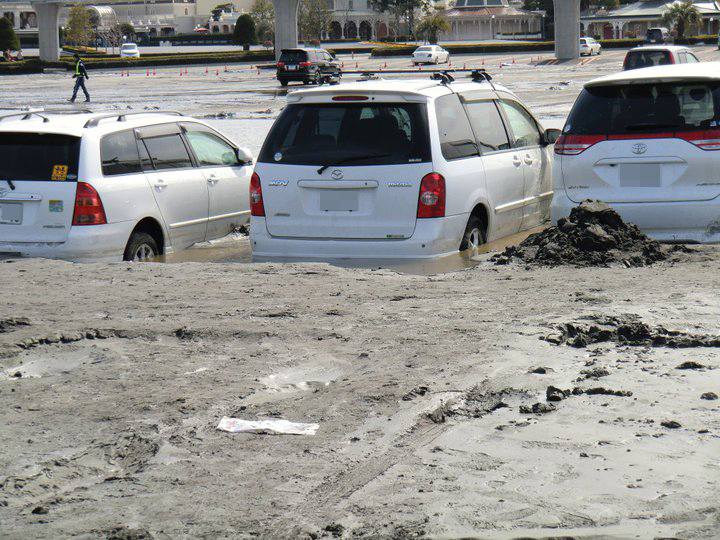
<point x="516" y="160"/>
<point x="160" y="184"/>
<point x="528" y="159"/>
<point x="212" y="179"/>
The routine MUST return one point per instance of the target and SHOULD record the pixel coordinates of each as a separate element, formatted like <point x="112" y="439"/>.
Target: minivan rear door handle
<point x="516" y="160"/>
<point x="160" y="184"/>
<point x="528" y="159"/>
<point x="212" y="179"/>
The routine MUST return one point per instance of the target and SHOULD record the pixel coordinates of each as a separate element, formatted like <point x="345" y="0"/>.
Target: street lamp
<point x="492" y="27"/>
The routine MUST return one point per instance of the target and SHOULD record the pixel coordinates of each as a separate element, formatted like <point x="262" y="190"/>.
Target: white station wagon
<point x="89" y="187"/>
<point x="399" y="169"/>
<point x="647" y="142"/>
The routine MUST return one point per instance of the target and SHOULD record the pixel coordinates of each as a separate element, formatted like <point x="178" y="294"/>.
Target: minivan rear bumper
<point x="89" y="243"/>
<point x="687" y="221"/>
<point x="435" y="237"/>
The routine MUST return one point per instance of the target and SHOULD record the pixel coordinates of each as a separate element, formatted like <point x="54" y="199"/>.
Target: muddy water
<point x="236" y="249"/>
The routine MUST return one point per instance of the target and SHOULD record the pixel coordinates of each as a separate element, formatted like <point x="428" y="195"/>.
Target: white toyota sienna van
<point x="399" y="169"/>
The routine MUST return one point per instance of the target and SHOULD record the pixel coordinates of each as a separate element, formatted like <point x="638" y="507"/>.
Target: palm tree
<point x="431" y="26"/>
<point x="681" y="15"/>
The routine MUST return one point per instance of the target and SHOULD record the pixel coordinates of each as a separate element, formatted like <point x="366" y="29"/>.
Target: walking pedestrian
<point x="80" y="76"/>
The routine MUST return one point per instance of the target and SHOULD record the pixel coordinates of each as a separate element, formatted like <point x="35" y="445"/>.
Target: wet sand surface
<point x="456" y="398"/>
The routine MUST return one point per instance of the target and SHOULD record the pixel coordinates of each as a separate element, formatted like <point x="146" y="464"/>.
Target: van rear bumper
<point x="435" y="237"/>
<point x="687" y="221"/>
<point x="88" y="243"/>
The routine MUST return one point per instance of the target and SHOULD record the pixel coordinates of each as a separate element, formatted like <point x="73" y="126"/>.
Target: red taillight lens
<point x="706" y="139"/>
<point x="572" y="145"/>
<point x="88" y="206"/>
<point x="257" y="208"/>
<point x="280" y="65"/>
<point x="305" y="64"/>
<point x="431" y="202"/>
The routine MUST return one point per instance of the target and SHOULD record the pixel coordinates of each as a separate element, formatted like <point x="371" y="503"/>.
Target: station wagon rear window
<point x="39" y="156"/>
<point x="349" y="133"/>
<point x="645" y="108"/>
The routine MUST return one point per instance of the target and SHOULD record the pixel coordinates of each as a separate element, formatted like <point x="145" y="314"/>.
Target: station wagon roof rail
<point x="93" y="122"/>
<point x="26" y="115"/>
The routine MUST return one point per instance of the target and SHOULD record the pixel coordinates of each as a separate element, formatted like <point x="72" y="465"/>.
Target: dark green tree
<point x="244" y="33"/>
<point x="8" y="39"/>
<point x="127" y="29"/>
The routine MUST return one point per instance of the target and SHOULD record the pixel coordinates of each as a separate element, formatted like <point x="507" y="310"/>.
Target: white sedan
<point x="589" y="46"/>
<point x="430" y="54"/>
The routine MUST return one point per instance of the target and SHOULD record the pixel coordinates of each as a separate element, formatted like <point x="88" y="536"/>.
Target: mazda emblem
<point x="639" y="148"/>
<point x="3" y="192"/>
<point x="337" y="175"/>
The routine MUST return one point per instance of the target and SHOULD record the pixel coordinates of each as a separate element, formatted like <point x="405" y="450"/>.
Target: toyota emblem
<point x="639" y="148"/>
<point x="337" y="175"/>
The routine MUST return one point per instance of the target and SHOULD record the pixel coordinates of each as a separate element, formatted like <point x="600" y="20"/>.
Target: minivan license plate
<point x="339" y="201"/>
<point x="640" y="175"/>
<point x="11" y="213"/>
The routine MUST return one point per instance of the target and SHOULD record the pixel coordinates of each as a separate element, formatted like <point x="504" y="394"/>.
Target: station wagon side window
<point x="456" y="137"/>
<point x="119" y="154"/>
<point x="488" y="126"/>
<point x="167" y="152"/>
<point x="525" y="131"/>
<point x="689" y="58"/>
<point x="210" y="150"/>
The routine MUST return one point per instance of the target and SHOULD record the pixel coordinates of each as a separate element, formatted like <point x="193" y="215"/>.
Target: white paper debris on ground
<point x="271" y="427"/>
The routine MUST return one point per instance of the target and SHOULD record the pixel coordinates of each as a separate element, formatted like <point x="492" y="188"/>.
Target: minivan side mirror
<point x="244" y="155"/>
<point x="551" y="135"/>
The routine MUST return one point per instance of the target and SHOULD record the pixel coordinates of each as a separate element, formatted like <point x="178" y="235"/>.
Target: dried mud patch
<point x="627" y="330"/>
<point x="476" y="403"/>
<point x="593" y="235"/>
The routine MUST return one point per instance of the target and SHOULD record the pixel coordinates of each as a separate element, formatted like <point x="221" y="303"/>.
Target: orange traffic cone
<point x="226" y="69"/>
<point x="513" y="59"/>
<point x="147" y="72"/>
<point x="217" y="72"/>
<point x="206" y="70"/>
<point x="153" y="72"/>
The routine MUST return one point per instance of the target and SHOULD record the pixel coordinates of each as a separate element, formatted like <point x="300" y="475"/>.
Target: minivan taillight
<point x="257" y="208"/>
<point x="305" y="64"/>
<point x="572" y="145"/>
<point x="708" y="139"/>
<point x="88" y="206"/>
<point x="280" y="65"/>
<point x="431" y="202"/>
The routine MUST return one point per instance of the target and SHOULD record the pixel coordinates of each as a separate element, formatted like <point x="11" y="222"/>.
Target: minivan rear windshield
<point x="641" y="59"/>
<point x="293" y="57"/>
<point x="361" y="134"/>
<point x="39" y="156"/>
<point x="645" y="108"/>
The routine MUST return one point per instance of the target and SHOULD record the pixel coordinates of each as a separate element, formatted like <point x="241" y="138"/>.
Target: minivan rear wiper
<point x="10" y="183"/>
<point x="351" y="158"/>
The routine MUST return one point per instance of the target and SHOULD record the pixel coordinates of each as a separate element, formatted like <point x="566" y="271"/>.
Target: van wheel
<point x="474" y="235"/>
<point x="141" y="248"/>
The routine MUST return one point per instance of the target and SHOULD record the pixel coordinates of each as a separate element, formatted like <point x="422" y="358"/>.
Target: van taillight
<point x="708" y="139"/>
<point x="572" y="145"/>
<point x="280" y="65"/>
<point x="305" y="64"/>
<point x="257" y="208"/>
<point x="88" y="206"/>
<point x="431" y="202"/>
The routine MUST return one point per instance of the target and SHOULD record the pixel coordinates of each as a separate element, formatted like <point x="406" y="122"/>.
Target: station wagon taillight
<point x="257" y="208"/>
<point x="88" y="206"/>
<point x="708" y="139"/>
<point x="431" y="202"/>
<point x="572" y="145"/>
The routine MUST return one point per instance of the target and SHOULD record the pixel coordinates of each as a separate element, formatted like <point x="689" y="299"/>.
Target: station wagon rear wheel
<point x="141" y="248"/>
<point x="474" y="235"/>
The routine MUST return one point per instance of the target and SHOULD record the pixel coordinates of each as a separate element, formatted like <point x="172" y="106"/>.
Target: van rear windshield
<point x="293" y="57"/>
<point x="38" y="156"/>
<point x="645" y="108"/>
<point x="352" y="133"/>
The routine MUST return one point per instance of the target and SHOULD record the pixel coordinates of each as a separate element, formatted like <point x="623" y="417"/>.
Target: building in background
<point x="491" y="19"/>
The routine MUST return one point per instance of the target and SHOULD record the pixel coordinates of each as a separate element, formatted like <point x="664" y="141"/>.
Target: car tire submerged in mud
<point x="474" y="235"/>
<point x="141" y="248"/>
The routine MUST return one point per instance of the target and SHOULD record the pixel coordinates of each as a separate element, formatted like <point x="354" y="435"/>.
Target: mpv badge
<point x="337" y="175"/>
<point x="639" y="148"/>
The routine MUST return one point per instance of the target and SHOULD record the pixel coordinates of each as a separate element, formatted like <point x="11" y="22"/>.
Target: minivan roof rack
<point x="443" y="75"/>
<point x="93" y="122"/>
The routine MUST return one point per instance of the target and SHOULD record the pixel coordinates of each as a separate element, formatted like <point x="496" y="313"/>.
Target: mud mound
<point x="593" y="235"/>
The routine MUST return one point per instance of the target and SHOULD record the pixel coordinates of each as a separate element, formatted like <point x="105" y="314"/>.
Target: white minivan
<point x="88" y="186"/>
<point x="399" y="169"/>
<point x="647" y="142"/>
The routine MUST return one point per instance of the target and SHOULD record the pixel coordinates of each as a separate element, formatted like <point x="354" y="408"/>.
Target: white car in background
<point x="399" y="169"/>
<point x="129" y="50"/>
<point x="116" y="186"/>
<point x="430" y="54"/>
<point x="647" y="142"/>
<point x="589" y="46"/>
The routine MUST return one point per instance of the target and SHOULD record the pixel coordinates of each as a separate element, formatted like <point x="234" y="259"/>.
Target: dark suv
<point x="308" y="66"/>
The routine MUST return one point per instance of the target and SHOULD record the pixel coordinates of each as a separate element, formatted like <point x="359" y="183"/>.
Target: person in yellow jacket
<point x="80" y="75"/>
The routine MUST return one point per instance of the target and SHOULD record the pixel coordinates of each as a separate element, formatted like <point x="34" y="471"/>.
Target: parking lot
<point x="429" y="385"/>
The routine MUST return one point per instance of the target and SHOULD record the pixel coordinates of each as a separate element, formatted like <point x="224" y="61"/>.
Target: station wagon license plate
<point x="640" y="175"/>
<point x="339" y="201"/>
<point x="292" y="67"/>
<point x="11" y="213"/>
